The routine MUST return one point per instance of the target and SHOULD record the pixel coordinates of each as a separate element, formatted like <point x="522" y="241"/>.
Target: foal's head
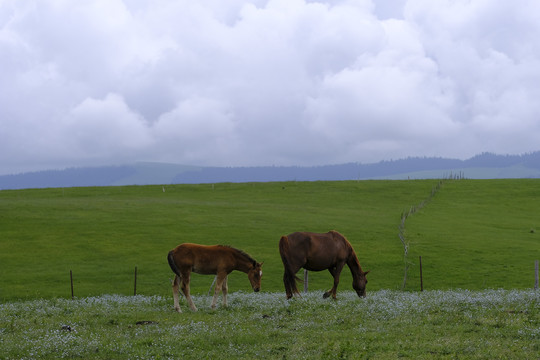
<point x="255" y="275"/>
<point x="359" y="284"/>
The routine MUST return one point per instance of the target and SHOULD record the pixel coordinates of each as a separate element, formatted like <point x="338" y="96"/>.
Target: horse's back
<point x="306" y="239"/>
<point x="301" y="242"/>
<point x="203" y="259"/>
<point x="197" y="249"/>
<point x="188" y="251"/>
<point x="317" y="251"/>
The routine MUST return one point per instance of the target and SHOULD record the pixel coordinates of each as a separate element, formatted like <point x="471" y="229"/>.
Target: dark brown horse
<point x="216" y="260"/>
<point x="316" y="252"/>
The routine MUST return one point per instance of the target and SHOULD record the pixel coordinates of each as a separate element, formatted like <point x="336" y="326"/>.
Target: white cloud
<point x="489" y="54"/>
<point x="264" y="81"/>
<point x="97" y="128"/>
<point x="197" y="130"/>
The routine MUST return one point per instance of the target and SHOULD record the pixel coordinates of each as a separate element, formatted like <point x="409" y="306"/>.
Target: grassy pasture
<point x="103" y="233"/>
<point x="477" y="234"/>
<point x="473" y="234"/>
<point x="489" y="324"/>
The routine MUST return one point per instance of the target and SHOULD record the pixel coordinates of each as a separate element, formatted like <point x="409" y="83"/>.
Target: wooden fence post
<point x="211" y="286"/>
<point x="305" y="280"/>
<point x="71" y="280"/>
<point x="135" y="283"/>
<point x="421" y="278"/>
<point x="536" y="275"/>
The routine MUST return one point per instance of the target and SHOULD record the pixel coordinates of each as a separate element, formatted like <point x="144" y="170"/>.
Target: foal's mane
<point x="242" y="253"/>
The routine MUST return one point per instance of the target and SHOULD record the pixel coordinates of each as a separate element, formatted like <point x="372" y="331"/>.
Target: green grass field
<point x="101" y="234"/>
<point x="473" y="234"/>
<point x="492" y="324"/>
<point x="477" y="234"/>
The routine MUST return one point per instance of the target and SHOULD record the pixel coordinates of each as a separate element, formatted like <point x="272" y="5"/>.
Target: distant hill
<point x="483" y="166"/>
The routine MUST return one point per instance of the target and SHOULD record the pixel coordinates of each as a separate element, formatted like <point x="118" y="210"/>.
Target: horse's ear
<point x="261" y="264"/>
<point x="367" y="272"/>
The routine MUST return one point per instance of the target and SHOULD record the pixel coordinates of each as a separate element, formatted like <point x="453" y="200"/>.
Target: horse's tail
<point x="172" y="264"/>
<point x="289" y="277"/>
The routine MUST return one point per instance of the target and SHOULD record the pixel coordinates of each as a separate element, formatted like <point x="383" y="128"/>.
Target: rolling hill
<point x="483" y="166"/>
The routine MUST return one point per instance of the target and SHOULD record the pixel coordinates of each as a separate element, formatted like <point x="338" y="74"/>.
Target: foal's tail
<point x="289" y="277"/>
<point x="172" y="264"/>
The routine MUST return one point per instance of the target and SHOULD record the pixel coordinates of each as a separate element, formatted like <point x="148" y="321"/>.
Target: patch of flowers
<point x="110" y="324"/>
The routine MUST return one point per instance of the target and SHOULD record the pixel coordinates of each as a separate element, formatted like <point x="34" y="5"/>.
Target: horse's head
<point x="359" y="284"/>
<point x="255" y="275"/>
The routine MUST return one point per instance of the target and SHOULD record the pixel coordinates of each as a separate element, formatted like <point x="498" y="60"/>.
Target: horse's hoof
<point x="325" y="295"/>
<point x="178" y="310"/>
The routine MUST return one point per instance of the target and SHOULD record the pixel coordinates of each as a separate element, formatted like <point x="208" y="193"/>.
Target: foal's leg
<point x="176" y="283"/>
<point x="336" y="272"/>
<point x="185" y="290"/>
<point x="225" y="290"/>
<point x="219" y="285"/>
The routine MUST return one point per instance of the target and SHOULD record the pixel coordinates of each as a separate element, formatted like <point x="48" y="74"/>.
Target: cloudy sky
<point x="265" y="82"/>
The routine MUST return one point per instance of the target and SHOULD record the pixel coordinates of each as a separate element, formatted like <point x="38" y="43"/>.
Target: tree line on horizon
<point x="110" y="175"/>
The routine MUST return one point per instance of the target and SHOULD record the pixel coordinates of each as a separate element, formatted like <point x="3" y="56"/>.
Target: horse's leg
<point x="176" y="284"/>
<point x="225" y="290"/>
<point x="336" y="272"/>
<point x="221" y="278"/>
<point x="286" y="282"/>
<point x="185" y="290"/>
<point x="289" y="280"/>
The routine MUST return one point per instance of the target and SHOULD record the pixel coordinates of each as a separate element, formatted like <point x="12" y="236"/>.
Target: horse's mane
<point x="352" y="254"/>
<point x="337" y="234"/>
<point x="241" y="252"/>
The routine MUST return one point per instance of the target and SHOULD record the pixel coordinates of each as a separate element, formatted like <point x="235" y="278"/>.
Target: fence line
<point x="71" y="280"/>
<point x="536" y="275"/>
<point x="405" y="215"/>
<point x="135" y="283"/>
<point x="306" y="279"/>
<point x="421" y="276"/>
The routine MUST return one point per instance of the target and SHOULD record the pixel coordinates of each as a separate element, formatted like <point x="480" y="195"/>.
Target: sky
<point x="265" y="82"/>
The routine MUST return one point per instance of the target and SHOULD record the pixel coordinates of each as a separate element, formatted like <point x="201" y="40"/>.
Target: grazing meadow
<point x="387" y="324"/>
<point x="102" y="233"/>
<point x="478" y="240"/>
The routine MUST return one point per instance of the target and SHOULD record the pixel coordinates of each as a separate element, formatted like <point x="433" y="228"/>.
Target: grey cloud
<point x="264" y="82"/>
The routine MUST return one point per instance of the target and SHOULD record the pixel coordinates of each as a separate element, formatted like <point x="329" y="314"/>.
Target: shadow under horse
<point x="317" y="252"/>
<point x="216" y="260"/>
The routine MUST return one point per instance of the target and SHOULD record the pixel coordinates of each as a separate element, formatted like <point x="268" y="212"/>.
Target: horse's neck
<point x="354" y="264"/>
<point x="242" y="263"/>
<point x="352" y="259"/>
